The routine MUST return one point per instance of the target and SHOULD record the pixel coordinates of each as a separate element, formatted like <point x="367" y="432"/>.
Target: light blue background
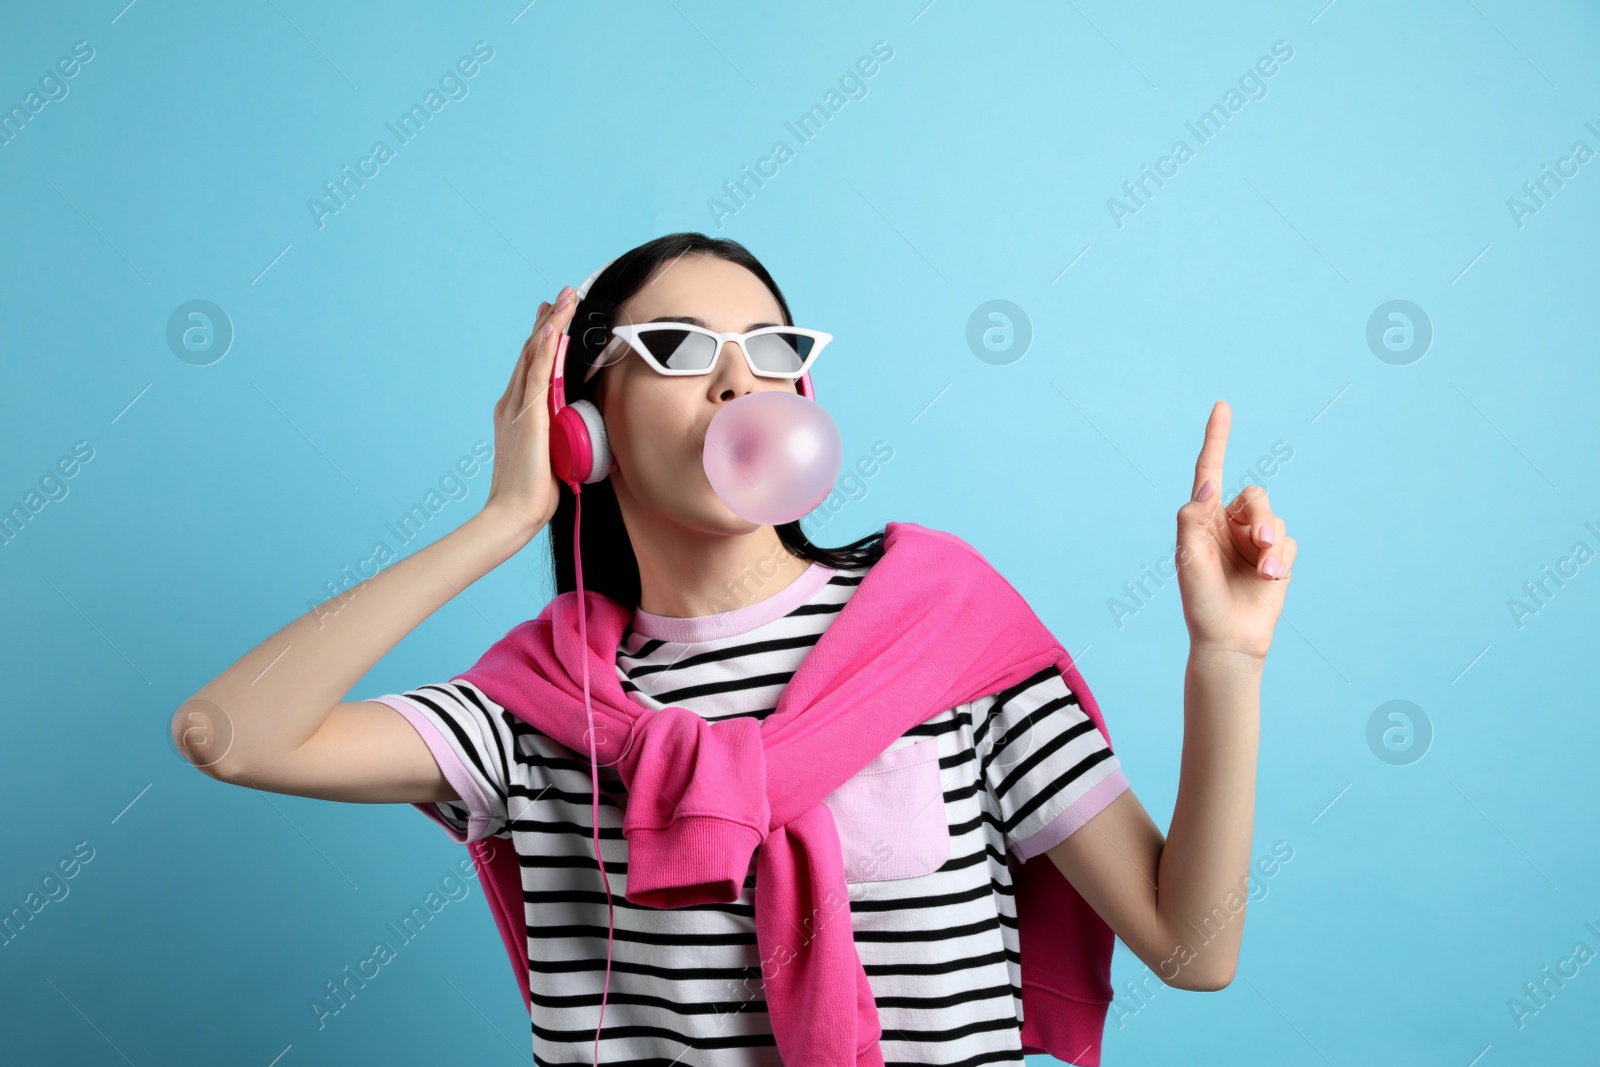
<point x="977" y="167"/>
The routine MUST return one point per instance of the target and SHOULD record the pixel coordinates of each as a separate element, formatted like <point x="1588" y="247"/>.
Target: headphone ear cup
<point x="569" y="446"/>
<point x="599" y="445"/>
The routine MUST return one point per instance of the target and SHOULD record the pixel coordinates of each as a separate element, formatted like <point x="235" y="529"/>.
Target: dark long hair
<point x="609" y="564"/>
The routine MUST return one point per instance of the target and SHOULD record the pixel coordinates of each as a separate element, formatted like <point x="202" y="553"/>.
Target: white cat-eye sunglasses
<point x="682" y="348"/>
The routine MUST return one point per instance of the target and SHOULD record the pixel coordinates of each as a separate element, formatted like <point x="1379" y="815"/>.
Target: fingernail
<point x="1206" y="489"/>
<point x="1273" y="566"/>
<point x="1264" y="535"/>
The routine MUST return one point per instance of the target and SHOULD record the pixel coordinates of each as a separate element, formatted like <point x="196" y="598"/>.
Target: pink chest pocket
<point x="891" y="815"/>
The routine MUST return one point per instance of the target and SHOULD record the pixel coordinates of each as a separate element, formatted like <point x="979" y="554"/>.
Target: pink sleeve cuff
<point x="454" y="772"/>
<point x="1079" y="812"/>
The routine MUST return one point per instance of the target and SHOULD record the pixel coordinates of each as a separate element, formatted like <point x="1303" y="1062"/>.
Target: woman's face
<point x="656" y="423"/>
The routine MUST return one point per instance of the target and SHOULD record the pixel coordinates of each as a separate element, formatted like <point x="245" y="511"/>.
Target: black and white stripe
<point x="939" y="949"/>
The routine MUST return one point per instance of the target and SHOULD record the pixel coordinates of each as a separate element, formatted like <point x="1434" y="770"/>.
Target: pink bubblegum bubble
<point x="772" y="456"/>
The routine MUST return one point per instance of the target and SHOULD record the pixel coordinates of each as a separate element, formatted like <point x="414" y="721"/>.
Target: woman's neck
<point x="687" y="573"/>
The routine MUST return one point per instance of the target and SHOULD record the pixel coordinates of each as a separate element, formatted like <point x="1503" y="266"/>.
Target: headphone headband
<point x="583" y="290"/>
<point x="558" y="380"/>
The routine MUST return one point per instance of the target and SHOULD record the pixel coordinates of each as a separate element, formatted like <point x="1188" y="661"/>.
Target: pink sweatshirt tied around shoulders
<point x="931" y="626"/>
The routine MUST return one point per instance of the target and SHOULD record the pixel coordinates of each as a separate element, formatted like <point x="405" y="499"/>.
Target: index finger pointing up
<point x="1209" y="465"/>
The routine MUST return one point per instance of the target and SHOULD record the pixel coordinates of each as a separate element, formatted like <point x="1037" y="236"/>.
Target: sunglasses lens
<point x="679" y="349"/>
<point x="780" y="352"/>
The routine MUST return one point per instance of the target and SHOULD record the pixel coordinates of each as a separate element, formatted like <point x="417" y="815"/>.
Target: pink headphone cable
<point x="594" y="770"/>
<point x="573" y="472"/>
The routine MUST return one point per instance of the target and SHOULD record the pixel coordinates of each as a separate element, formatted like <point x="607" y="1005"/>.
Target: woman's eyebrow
<point x="691" y="320"/>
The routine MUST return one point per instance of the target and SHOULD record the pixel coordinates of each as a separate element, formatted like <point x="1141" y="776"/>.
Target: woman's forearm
<point x="274" y="698"/>
<point x="1207" y="851"/>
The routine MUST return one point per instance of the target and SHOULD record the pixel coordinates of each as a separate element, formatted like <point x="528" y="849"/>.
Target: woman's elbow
<point x="1196" y="979"/>
<point x="202" y="736"/>
<point x="1207" y="983"/>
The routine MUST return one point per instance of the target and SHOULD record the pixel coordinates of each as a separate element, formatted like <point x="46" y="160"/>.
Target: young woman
<point x="723" y="614"/>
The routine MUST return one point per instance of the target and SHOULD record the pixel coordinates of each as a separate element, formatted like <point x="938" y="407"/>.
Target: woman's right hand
<point x="523" y="485"/>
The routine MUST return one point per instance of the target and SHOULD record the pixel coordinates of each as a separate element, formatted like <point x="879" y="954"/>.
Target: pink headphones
<point x="579" y="451"/>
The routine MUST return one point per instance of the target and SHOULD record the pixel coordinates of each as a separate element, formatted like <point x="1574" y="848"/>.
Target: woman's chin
<point x="714" y="515"/>
<point x="705" y="513"/>
<point x="726" y="520"/>
<point x="713" y="511"/>
<point x="688" y="500"/>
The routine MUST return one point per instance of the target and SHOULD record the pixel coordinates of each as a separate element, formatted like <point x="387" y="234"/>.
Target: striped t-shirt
<point x="931" y="904"/>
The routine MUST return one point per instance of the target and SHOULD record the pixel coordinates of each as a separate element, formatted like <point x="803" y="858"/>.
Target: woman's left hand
<point x="1234" y="562"/>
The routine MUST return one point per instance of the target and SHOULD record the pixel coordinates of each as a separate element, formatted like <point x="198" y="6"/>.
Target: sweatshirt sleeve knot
<point x="697" y="807"/>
